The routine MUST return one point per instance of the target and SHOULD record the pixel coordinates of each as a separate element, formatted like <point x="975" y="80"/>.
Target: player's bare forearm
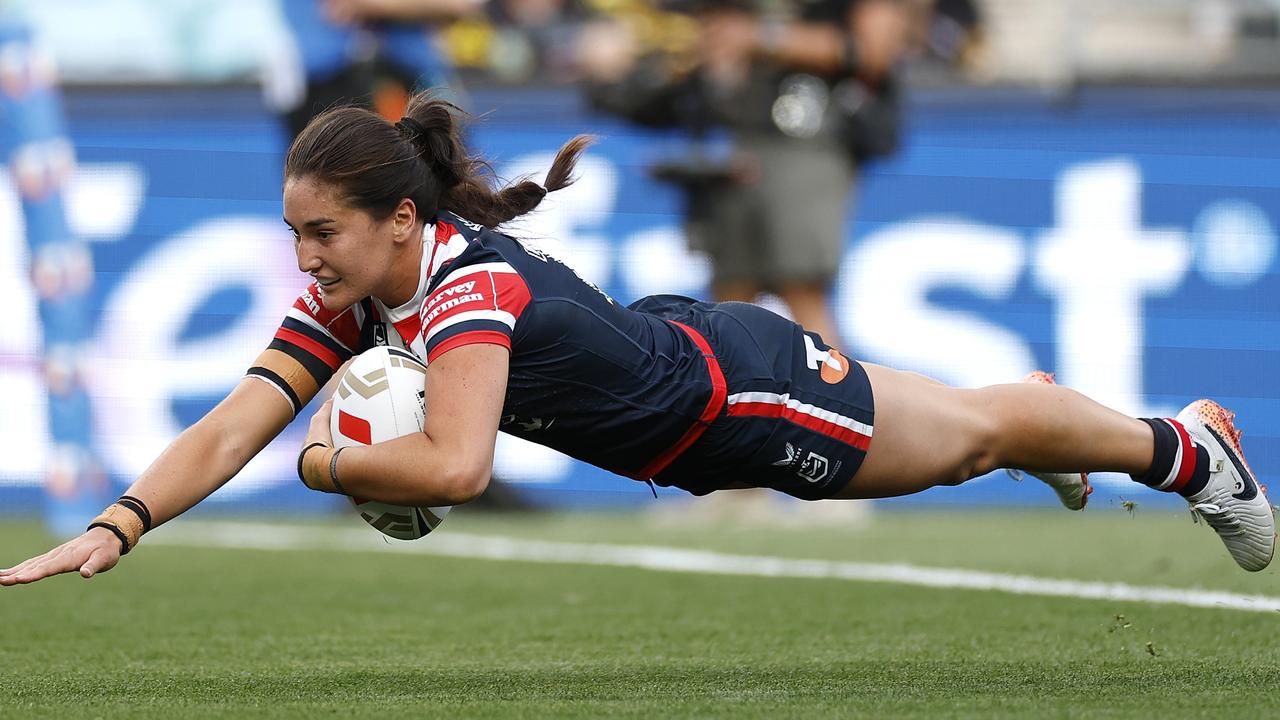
<point x="198" y="462"/>
<point x="209" y="453"/>
<point x="412" y="470"/>
<point x="449" y="463"/>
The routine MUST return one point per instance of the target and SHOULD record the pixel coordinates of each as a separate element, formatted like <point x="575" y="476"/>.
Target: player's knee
<point x="974" y="462"/>
<point x="982" y="437"/>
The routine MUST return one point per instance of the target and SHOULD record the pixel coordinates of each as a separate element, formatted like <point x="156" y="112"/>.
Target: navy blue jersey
<point x="588" y="377"/>
<point x="628" y="389"/>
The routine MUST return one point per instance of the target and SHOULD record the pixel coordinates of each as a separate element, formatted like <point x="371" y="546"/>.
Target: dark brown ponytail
<point x="422" y="157"/>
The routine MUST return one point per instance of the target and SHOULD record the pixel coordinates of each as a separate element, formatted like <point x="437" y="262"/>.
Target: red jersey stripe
<point x="475" y="337"/>
<point x="309" y="303"/>
<point x="321" y="352"/>
<point x="513" y="293"/>
<point x="346" y="330"/>
<point x="409" y="328"/>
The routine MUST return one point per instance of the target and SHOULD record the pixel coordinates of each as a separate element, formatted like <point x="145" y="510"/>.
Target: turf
<point x="180" y="632"/>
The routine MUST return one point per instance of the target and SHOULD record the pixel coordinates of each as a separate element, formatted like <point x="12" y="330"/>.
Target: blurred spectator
<point x="371" y="52"/>
<point x="518" y="41"/>
<point x="945" y="37"/>
<point x="808" y="92"/>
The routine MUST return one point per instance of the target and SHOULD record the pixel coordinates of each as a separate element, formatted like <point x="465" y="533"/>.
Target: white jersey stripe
<point x="1177" y="461"/>
<point x="505" y="318"/>
<point x="493" y="267"/>
<point x="785" y="399"/>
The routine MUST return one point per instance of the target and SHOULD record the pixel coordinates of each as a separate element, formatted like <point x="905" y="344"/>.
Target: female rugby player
<point x="395" y="224"/>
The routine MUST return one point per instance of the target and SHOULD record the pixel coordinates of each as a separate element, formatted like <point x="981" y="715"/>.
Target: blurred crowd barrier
<point x="1126" y="241"/>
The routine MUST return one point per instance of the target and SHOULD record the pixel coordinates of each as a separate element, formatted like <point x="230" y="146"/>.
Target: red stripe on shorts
<point x="778" y="410"/>
<point x="719" y="391"/>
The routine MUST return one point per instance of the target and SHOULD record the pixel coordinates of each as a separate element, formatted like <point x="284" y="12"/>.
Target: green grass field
<point x="206" y="632"/>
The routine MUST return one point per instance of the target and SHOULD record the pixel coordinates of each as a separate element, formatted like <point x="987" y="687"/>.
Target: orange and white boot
<point x="1232" y="503"/>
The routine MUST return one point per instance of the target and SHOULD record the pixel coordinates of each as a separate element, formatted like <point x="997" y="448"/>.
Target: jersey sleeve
<point x="478" y="303"/>
<point x="310" y="345"/>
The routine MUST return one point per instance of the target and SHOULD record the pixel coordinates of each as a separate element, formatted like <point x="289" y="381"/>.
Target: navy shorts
<point x="798" y="415"/>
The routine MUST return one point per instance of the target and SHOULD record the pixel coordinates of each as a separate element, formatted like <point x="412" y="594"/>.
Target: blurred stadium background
<point x="1084" y="187"/>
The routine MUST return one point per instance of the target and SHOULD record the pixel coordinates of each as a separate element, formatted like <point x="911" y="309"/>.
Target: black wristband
<point x="124" y="541"/>
<point x="304" y="454"/>
<point x="333" y="471"/>
<point x="139" y="508"/>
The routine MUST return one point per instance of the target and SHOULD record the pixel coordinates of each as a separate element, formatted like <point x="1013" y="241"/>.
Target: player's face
<point x="346" y="250"/>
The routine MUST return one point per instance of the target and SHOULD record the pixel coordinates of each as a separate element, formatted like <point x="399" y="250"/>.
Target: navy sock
<point x="1178" y="464"/>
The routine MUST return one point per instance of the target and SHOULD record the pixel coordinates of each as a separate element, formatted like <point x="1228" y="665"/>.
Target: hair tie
<point x="410" y="129"/>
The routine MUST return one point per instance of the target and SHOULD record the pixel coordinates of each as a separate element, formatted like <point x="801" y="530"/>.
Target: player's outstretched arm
<point x="198" y="462"/>
<point x="449" y="463"/>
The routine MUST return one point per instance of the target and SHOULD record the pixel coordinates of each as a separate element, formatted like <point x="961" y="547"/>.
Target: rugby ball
<point x="378" y="398"/>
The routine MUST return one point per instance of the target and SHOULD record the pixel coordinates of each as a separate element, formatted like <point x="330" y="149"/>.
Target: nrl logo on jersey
<point x="812" y="467"/>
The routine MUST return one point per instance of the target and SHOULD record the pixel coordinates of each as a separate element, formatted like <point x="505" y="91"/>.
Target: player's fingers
<point x="56" y="564"/>
<point x="8" y="574"/>
<point x="58" y="560"/>
<point x="31" y="573"/>
<point x="27" y="564"/>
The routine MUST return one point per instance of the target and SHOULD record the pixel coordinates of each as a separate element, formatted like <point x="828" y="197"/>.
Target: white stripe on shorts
<point x="793" y="404"/>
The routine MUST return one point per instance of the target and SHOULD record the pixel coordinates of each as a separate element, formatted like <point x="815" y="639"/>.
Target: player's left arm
<point x="450" y="461"/>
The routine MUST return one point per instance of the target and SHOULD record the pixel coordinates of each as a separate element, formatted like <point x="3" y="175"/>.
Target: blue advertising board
<point x="1125" y="240"/>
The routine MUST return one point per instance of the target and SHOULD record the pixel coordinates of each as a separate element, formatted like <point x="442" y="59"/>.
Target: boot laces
<point x="1221" y="519"/>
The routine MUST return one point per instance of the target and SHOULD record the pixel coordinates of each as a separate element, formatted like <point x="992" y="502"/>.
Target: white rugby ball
<point x="378" y="398"/>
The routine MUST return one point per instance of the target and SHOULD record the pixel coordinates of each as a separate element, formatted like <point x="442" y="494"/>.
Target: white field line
<point x="261" y="536"/>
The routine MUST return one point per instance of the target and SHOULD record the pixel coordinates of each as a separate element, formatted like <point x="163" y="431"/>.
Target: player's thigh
<point x="926" y="434"/>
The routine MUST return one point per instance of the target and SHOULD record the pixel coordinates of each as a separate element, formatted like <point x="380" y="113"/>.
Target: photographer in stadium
<point x="808" y="92"/>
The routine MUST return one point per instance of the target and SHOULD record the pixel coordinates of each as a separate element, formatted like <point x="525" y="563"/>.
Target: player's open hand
<point x="97" y="550"/>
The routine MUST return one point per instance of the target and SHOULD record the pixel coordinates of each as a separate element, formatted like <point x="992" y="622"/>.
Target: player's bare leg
<point x="928" y="434"/>
<point x="1073" y="489"/>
